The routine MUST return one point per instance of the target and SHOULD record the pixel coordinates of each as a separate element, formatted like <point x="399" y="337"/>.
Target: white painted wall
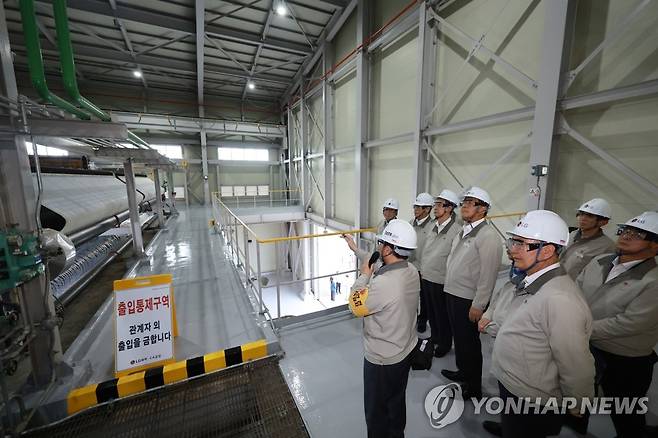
<point x="481" y="87"/>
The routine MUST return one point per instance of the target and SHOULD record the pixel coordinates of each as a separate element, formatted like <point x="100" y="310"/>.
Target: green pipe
<point x="35" y="61"/>
<point x="67" y="62"/>
<point x="138" y="141"/>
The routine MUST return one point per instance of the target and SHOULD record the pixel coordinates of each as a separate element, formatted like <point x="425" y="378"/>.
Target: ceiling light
<point x="137" y="73"/>
<point x="281" y="9"/>
<point x="251" y="86"/>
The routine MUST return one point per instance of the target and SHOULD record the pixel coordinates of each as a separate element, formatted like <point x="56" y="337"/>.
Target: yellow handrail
<point x="311" y="236"/>
<point x="498" y="216"/>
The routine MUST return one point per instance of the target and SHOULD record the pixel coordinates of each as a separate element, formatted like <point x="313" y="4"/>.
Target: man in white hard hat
<point x="588" y="241"/>
<point x="471" y="273"/>
<point x="622" y="291"/>
<point x="422" y="223"/>
<point x="387" y="300"/>
<point x="433" y="269"/>
<point x="390" y="209"/>
<point x="541" y="351"/>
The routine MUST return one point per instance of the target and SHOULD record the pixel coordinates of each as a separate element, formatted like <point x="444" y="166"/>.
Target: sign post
<point x="144" y="323"/>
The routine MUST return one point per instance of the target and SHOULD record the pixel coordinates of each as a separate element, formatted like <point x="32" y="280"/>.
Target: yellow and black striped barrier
<point x="90" y="395"/>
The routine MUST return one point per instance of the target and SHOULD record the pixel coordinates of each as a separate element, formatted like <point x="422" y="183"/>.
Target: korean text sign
<point x="143" y="315"/>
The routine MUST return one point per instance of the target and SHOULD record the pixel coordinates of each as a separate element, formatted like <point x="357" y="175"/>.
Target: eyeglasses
<point x="632" y="233"/>
<point x="472" y="203"/>
<point x="441" y="204"/>
<point x="513" y="243"/>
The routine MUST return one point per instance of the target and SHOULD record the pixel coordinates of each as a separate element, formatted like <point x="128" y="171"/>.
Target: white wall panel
<point x="481" y="87"/>
<point x="344" y="188"/>
<point x="393" y="93"/>
<point x="345" y="112"/>
<point x="390" y="176"/>
<point x="629" y="132"/>
<point x="629" y="60"/>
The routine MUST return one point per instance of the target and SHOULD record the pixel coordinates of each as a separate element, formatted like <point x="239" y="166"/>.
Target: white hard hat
<point x="449" y="196"/>
<point x="647" y="221"/>
<point x="477" y="193"/>
<point x="391" y="203"/>
<point x="401" y="235"/>
<point x="543" y="225"/>
<point x="424" y="200"/>
<point x="597" y="206"/>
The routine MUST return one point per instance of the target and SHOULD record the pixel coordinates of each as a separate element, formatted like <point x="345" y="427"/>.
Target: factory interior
<point x="210" y="156"/>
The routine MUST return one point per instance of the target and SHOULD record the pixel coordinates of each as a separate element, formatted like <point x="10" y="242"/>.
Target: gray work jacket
<point x="387" y="301"/>
<point x="625" y="309"/>
<point x="542" y="348"/>
<point x="473" y="265"/>
<point x="436" y="251"/>
<point x="581" y="251"/>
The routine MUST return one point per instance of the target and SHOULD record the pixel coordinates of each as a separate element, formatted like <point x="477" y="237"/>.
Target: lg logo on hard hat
<point x="444" y="405"/>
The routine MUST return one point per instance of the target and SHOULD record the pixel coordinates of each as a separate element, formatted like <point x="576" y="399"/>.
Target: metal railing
<point x="238" y="235"/>
<point x="274" y="198"/>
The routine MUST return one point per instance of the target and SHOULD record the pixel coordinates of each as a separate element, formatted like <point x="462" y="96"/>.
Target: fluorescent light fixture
<point x="280" y="8"/>
<point x="137" y="73"/>
<point x="251" y="85"/>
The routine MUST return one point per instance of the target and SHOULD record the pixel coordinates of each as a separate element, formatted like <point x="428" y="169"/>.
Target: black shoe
<point x="440" y="352"/>
<point x="455" y="376"/>
<point x="469" y="392"/>
<point x="493" y="427"/>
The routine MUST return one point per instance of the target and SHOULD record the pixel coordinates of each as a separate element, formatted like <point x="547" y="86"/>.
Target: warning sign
<point x="144" y="323"/>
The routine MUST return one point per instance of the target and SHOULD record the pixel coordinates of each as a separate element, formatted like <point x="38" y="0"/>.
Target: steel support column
<point x="158" y="198"/>
<point x="17" y="207"/>
<point x="170" y="191"/>
<point x="328" y="121"/>
<point x="292" y="183"/>
<point x="138" y="241"/>
<point x="362" y="84"/>
<point x="424" y="99"/>
<point x="186" y="188"/>
<point x="307" y="259"/>
<point x="303" y="117"/>
<point x="556" y="42"/>
<point x="204" y="168"/>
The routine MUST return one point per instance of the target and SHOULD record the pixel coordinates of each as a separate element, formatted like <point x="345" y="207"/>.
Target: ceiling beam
<point x="167" y="21"/>
<point x="199" y="7"/>
<point x="126" y="39"/>
<point x="335" y="23"/>
<point x="189" y="67"/>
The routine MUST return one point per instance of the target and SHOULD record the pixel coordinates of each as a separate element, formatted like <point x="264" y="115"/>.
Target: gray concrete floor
<point x="324" y="370"/>
<point x="212" y="306"/>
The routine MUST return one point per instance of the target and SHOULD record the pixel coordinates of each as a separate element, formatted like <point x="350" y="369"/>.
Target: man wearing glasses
<point x="588" y="241"/>
<point x="433" y="269"/>
<point x="542" y="349"/>
<point x="471" y="273"/>
<point x="622" y="292"/>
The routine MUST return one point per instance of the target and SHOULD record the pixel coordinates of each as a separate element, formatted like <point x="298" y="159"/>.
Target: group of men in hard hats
<point x="579" y="311"/>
